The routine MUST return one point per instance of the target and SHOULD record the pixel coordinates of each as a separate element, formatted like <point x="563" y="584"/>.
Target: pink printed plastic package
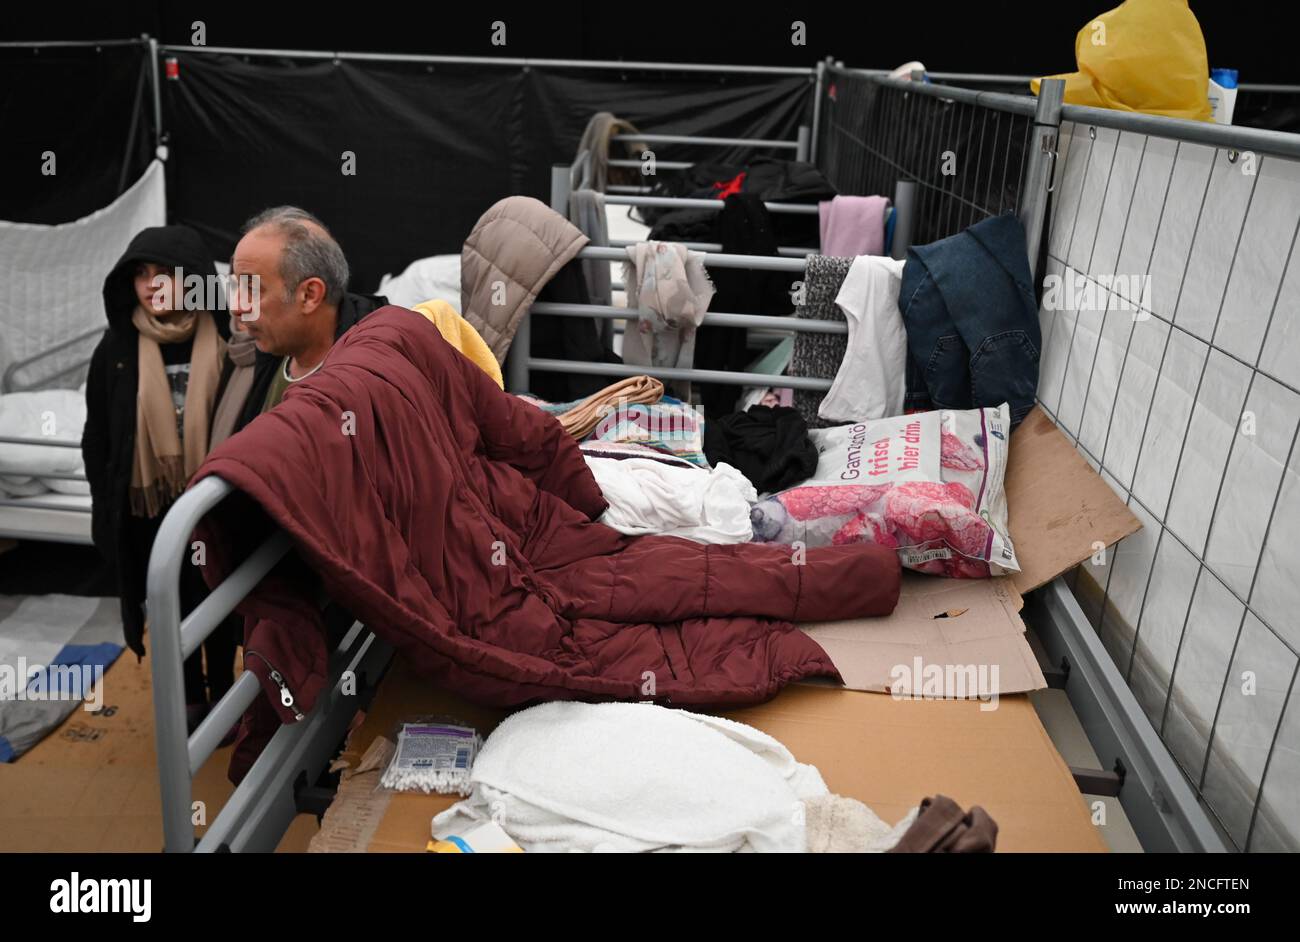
<point x="928" y="484"/>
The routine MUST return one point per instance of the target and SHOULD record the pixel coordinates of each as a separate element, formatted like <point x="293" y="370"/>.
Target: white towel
<point x="649" y="496"/>
<point x="636" y="777"/>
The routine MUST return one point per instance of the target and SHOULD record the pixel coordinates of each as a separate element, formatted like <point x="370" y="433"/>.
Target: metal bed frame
<point x="281" y="783"/>
<point x="802" y="148"/>
<point x="1167" y="811"/>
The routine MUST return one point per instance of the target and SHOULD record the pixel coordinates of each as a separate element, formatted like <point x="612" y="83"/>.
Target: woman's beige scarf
<point x="163" y="463"/>
<point x="242" y="351"/>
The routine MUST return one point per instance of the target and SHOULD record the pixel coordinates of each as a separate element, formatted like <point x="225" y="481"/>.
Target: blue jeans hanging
<point x="972" y="325"/>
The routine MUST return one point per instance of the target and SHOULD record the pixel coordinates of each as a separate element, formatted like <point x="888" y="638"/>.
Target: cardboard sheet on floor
<point x="91" y="786"/>
<point x="966" y="629"/>
<point x="885" y="752"/>
<point x="1060" y="513"/>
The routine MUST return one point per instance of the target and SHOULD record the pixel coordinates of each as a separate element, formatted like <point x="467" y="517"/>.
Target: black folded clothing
<point x="767" y="444"/>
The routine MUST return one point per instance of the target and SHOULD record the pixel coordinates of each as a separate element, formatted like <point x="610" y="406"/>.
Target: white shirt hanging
<point x="871" y="382"/>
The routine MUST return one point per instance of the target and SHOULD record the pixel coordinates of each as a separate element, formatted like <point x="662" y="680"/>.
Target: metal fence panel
<point x="1171" y="357"/>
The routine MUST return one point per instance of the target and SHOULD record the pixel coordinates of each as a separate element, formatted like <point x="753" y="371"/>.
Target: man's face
<point x="274" y="322"/>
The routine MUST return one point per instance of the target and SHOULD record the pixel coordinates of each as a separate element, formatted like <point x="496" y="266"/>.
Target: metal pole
<point x="683" y="202"/>
<point x="1226" y="136"/>
<point x="682" y="373"/>
<point x="785" y="251"/>
<point x="157" y="93"/>
<point x="817" y="108"/>
<point x="1041" y="165"/>
<point x="711" y="260"/>
<point x="792" y="325"/>
<point x="521" y="346"/>
<point x="170" y="552"/>
<point x="491" y="61"/>
<point x="904" y="218"/>
<point x="61" y="43"/>
<point x="698" y="139"/>
<point x="802" y="151"/>
<point x="998" y="101"/>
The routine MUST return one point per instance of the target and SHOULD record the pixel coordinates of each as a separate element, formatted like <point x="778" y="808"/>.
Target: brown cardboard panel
<point x="1059" y="507"/>
<point x="889" y="754"/>
<point x="885" y="752"/>
<point x="92" y="784"/>
<point x="950" y="623"/>
<point x="364" y="817"/>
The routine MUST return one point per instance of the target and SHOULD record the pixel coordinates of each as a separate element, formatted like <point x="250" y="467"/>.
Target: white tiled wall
<point x="1095" y="181"/>
<point x="1254" y="472"/>
<point x="1261" y="256"/>
<point x="1185" y="195"/>
<point x="1251" y="706"/>
<point x="1218" y="233"/>
<point x="1211" y="437"/>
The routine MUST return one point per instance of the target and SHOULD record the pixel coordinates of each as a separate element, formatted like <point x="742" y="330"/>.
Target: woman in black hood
<point x="149" y="400"/>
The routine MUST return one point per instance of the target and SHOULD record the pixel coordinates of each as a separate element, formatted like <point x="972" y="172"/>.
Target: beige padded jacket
<point x="515" y="248"/>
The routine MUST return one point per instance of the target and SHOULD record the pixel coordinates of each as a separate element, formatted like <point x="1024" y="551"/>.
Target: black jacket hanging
<point x="567" y="338"/>
<point x="744" y="227"/>
<point x="108" y="437"/>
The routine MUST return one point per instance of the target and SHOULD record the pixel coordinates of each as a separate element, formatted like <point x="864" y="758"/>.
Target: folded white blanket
<point x="48" y="413"/>
<point x="648" y="496"/>
<point x="636" y="777"/>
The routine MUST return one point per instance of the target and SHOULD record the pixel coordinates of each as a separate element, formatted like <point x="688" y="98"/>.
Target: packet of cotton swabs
<point x="433" y="756"/>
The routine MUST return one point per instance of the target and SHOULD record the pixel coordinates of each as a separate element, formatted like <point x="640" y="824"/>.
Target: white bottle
<point x="1223" y="94"/>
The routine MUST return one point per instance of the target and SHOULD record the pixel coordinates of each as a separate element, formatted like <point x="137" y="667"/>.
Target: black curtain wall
<point x="429" y="147"/>
<point x="92" y="109"/>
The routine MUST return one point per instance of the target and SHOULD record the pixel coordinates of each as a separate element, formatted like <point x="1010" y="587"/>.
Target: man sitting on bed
<point x="300" y="308"/>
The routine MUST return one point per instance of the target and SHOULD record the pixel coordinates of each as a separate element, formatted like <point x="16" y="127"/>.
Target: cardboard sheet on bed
<point x="886" y="752"/>
<point x="1061" y="513"/>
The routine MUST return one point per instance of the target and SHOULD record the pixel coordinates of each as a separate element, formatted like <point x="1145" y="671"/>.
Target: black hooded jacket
<point x="108" y="440"/>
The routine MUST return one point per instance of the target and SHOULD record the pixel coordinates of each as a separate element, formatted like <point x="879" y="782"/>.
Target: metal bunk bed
<point x="51" y="516"/>
<point x="1167" y="808"/>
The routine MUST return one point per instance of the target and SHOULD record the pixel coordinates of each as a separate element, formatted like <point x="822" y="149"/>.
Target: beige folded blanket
<point x="582" y="418"/>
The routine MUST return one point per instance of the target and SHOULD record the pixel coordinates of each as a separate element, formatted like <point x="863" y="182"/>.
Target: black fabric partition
<point x="92" y="109"/>
<point x="434" y="145"/>
<point x="727" y="105"/>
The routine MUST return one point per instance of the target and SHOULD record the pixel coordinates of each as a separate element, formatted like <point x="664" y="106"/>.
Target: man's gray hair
<point x="308" y="252"/>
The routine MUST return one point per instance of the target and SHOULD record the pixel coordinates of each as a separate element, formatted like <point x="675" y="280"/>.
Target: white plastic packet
<point x="928" y="484"/>
<point x="433" y="756"/>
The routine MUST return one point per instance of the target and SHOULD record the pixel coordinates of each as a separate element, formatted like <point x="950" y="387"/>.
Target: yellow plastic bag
<point x="1144" y="55"/>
